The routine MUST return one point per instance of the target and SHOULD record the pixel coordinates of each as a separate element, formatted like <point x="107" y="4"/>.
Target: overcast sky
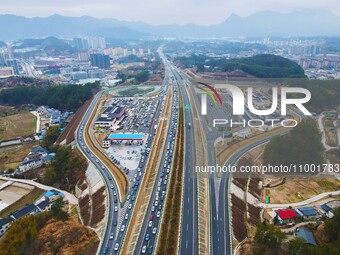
<point x="202" y="12"/>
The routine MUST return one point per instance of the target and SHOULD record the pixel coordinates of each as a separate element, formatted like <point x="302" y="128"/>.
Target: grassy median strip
<point x="168" y="237"/>
<point x="119" y="176"/>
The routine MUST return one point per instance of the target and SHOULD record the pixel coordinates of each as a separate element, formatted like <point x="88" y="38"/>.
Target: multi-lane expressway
<point x="115" y="217"/>
<point x="106" y="174"/>
<point x="219" y="221"/>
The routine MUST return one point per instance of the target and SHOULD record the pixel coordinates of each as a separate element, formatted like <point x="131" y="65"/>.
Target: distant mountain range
<point x="266" y="23"/>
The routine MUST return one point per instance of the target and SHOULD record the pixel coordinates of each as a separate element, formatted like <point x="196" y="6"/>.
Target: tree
<point x="57" y="211"/>
<point x="268" y="238"/>
<point x="297" y="246"/>
<point x="66" y="168"/>
<point x="62" y="97"/>
<point x="332" y="226"/>
<point x="50" y="137"/>
<point x="142" y="76"/>
<point x="301" y="146"/>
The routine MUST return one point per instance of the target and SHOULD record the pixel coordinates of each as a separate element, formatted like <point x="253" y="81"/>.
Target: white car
<point x="144" y="249"/>
<point x="116" y="208"/>
<point x="116" y="246"/>
<point x="158" y="214"/>
<point x="122" y="228"/>
<point x="126" y="216"/>
<point x="111" y="236"/>
<point x="129" y="206"/>
<point x="150" y="223"/>
<point x="152" y="208"/>
<point x="154" y="231"/>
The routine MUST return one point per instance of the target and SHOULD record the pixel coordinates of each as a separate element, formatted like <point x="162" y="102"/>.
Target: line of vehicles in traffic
<point x="160" y="194"/>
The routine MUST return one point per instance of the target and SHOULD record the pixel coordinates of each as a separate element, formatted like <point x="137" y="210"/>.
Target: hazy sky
<point x="203" y="12"/>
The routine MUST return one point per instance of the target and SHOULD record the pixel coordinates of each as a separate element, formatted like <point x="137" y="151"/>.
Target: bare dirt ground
<point x="307" y="188"/>
<point x="100" y="136"/>
<point x="22" y="124"/>
<point x="11" y="194"/>
<point x="20" y="200"/>
<point x="11" y="157"/>
<point x="68" y="134"/>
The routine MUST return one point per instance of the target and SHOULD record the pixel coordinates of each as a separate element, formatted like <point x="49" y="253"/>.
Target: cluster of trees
<point x="270" y="240"/>
<point x="63" y="97"/>
<point x="23" y="232"/>
<point x="130" y="59"/>
<point x="325" y="93"/>
<point x="50" y="138"/>
<point x="51" y="46"/>
<point x="142" y="76"/>
<point x="66" y="168"/>
<point x="263" y="66"/>
<point x="302" y="145"/>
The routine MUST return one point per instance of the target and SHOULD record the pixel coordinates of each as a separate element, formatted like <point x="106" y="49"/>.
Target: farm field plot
<point x="22" y="124"/>
<point x="11" y="157"/>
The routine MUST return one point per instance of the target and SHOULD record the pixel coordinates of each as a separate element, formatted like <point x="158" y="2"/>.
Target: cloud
<point x="160" y="11"/>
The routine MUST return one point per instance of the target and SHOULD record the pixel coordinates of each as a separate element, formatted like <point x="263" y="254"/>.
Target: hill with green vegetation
<point x="266" y="66"/>
<point x="262" y="66"/>
<point x="325" y="94"/>
<point x="302" y="145"/>
<point x="62" y="97"/>
<point x="50" y="232"/>
<point x="49" y="45"/>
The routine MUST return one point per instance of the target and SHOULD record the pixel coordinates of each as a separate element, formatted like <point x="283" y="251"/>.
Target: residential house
<point x="309" y="213"/>
<point x="26" y="210"/>
<point x="286" y="216"/>
<point x="53" y="195"/>
<point x="306" y="235"/>
<point x="5" y="223"/>
<point x="44" y="205"/>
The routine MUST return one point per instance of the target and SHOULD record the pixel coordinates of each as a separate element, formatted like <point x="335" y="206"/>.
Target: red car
<point x="151" y="217"/>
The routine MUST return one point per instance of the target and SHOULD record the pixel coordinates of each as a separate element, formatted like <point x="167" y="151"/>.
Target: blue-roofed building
<point x="44" y="205"/>
<point x="327" y="209"/>
<point x="53" y="195"/>
<point x="306" y="235"/>
<point x="5" y="223"/>
<point x="309" y="213"/>
<point x="49" y="157"/>
<point x="39" y="150"/>
<point x="26" y="210"/>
